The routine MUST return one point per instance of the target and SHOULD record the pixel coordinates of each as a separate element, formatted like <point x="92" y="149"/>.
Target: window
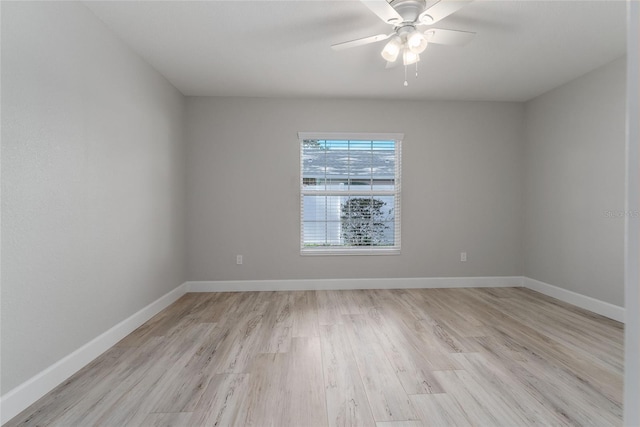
<point x="349" y="193"/>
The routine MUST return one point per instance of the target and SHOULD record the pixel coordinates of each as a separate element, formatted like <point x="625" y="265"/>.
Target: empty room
<point x="319" y="213"/>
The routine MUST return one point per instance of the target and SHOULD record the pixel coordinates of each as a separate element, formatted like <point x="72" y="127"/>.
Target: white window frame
<point x="396" y="192"/>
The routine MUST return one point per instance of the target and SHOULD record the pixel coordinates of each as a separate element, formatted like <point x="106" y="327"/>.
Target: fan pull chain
<point x="405" y="76"/>
<point x="416" y="70"/>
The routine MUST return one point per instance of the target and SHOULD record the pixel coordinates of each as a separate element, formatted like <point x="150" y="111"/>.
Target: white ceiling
<point x="282" y="48"/>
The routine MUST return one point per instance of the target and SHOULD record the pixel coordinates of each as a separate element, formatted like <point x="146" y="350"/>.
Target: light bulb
<point x="409" y="57"/>
<point x="392" y="49"/>
<point x="417" y="42"/>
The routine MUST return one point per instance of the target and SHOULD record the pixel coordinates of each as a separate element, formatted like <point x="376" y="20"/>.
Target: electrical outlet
<point x="463" y="257"/>
<point x="238" y="259"/>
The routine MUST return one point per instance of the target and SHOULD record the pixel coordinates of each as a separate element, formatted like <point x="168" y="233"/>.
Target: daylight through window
<point x="350" y="193"/>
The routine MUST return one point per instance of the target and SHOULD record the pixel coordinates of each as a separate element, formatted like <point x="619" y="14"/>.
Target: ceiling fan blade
<point x="384" y="11"/>
<point x="360" y="42"/>
<point x="441" y="10"/>
<point x="449" y="37"/>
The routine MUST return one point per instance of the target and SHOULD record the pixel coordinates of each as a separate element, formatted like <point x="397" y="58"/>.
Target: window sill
<point x="350" y="251"/>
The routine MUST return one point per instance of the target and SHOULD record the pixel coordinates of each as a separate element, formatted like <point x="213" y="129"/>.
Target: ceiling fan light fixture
<point x="406" y="39"/>
<point x="409" y="57"/>
<point x="392" y="49"/>
<point x="417" y="42"/>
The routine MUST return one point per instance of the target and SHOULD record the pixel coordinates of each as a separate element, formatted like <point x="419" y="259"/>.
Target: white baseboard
<point x="18" y="399"/>
<point x="338" y="284"/>
<point x="600" y="307"/>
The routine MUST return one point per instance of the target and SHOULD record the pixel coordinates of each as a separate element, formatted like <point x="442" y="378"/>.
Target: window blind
<point x="350" y="193"/>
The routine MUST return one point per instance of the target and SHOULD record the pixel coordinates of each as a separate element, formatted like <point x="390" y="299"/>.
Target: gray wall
<point x="92" y="184"/>
<point x="574" y="185"/>
<point x="632" y="255"/>
<point x="461" y="187"/>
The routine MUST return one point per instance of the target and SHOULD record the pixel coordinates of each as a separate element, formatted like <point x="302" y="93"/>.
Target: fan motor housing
<point x="410" y="10"/>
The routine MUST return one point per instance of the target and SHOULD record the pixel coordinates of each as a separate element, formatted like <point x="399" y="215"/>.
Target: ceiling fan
<point x="406" y="38"/>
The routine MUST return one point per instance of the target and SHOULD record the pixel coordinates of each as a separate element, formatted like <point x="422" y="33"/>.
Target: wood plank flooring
<point x="382" y="358"/>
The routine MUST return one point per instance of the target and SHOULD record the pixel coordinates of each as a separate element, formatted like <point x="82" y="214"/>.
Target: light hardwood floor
<point x="385" y="358"/>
